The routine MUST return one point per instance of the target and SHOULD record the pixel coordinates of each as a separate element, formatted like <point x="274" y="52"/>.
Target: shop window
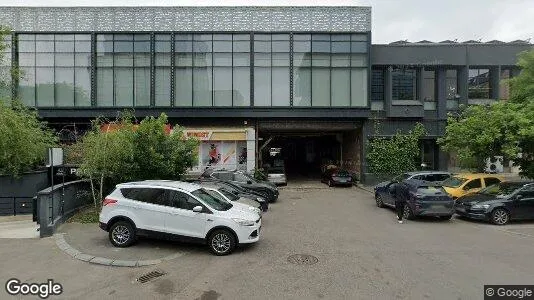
<point x="404" y="80"/>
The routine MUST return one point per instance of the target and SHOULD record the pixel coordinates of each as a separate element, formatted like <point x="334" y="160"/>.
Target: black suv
<point x="245" y="181"/>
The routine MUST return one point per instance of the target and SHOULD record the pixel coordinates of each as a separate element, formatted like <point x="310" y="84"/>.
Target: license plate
<point x="259" y="229"/>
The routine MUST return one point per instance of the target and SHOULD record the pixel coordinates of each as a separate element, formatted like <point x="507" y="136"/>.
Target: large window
<point x="271" y="70"/>
<point x="429" y="89"/>
<point x="377" y="89"/>
<point x="162" y="87"/>
<point x="329" y="70"/>
<point x="55" y="69"/>
<point x="5" y="69"/>
<point x="479" y="84"/>
<point x="404" y="83"/>
<point x="453" y="96"/>
<point x="123" y="70"/>
<point x="212" y="70"/>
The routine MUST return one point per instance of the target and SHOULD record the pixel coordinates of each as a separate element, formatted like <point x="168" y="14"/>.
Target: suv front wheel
<point x="221" y="242"/>
<point x="122" y="234"/>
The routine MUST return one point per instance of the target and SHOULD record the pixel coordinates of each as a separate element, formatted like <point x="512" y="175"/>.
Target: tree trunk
<point x="101" y="186"/>
<point x="93" y="190"/>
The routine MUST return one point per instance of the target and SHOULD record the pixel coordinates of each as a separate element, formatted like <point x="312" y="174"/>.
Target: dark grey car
<point x="244" y="180"/>
<point x="423" y="199"/>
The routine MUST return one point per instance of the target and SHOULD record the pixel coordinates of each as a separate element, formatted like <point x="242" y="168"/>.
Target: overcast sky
<point x="393" y="20"/>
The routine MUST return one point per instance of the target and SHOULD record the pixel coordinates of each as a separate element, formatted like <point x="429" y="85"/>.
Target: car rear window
<point x="430" y="190"/>
<point x="454" y="182"/>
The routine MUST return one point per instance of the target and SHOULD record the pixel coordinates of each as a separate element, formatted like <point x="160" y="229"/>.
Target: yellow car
<point x="463" y="184"/>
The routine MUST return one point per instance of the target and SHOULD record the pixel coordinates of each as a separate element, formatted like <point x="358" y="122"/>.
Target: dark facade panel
<point x="406" y="111"/>
<point x="490" y="55"/>
<point x="212" y="112"/>
<point x="447" y="54"/>
<point x="417" y="55"/>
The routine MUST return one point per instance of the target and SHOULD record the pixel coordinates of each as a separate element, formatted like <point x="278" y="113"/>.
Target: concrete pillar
<point x="495" y="80"/>
<point x="441" y="93"/>
<point x="463" y="84"/>
<point x="251" y="149"/>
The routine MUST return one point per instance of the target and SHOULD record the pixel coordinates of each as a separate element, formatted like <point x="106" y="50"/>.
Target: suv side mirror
<point x="518" y="197"/>
<point x="197" y="209"/>
<point x="249" y="182"/>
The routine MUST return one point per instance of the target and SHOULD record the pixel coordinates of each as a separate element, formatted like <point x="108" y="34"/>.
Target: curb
<point x="364" y="188"/>
<point x="68" y="249"/>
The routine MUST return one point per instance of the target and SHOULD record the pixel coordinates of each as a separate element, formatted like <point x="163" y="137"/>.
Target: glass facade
<point x="194" y="70"/>
<point x="56" y="69"/>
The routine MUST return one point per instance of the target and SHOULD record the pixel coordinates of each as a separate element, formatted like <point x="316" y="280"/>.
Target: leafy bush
<point x="394" y="155"/>
<point x="23" y="139"/>
<point x="260" y="174"/>
<point x="133" y="152"/>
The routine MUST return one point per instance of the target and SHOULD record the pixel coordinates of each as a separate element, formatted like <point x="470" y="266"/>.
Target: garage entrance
<point x="304" y="149"/>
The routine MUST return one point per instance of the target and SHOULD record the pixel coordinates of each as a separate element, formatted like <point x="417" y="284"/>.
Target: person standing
<point x="400" y="200"/>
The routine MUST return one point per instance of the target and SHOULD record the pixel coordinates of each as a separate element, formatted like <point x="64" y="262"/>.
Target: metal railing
<point x="58" y="203"/>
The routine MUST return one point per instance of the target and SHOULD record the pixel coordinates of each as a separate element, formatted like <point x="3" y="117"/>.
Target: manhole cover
<point x="149" y="276"/>
<point x="302" y="259"/>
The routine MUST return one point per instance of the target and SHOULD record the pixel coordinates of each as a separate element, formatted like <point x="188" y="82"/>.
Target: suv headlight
<point x="479" y="206"/>
<point x="243" y="222"/>
<point x="260" y="199"/>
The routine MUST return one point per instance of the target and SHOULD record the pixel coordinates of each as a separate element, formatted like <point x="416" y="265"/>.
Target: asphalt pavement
<point x="357" y="251"/>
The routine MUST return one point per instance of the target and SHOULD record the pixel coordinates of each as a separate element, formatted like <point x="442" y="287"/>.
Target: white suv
<point x="174" y="209"/>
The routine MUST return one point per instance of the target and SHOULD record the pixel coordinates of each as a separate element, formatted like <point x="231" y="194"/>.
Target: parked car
<point x="277" y="175"/>
<point x="464" y="184"/>
<point x="239" y="191"/>
<point x="337" y="176"/>
<point x="499" y="203"/>
<point x="429" y="176"/>
<point x="244" y="180"/>
<point x="220" y="191"/>
<point x="424" y="199"/>
<point x="176" y="210"/>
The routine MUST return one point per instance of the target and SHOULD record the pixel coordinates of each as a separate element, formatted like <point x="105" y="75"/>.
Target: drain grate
<point x="150" y="276"/>
<point x="302" y="259"/>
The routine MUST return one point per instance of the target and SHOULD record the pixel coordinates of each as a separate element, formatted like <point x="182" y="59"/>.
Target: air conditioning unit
<point x="494" y="164"/>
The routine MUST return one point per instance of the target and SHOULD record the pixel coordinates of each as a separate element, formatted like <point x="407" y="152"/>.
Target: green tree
<point x="134" y="152"/>
<point x="23" y="139"/>
<point x="504" y="128"/>
<point x="395" y="155"/>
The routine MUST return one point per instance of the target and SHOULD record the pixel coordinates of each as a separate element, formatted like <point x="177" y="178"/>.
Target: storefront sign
<point x="201" y="135"/>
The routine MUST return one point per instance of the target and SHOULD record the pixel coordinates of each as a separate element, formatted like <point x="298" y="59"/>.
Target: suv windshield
<point x="500" y="189"/>
<point x="213" y="199"/>
<point x="228" y="194"/>
<point x="454" y="182"/>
